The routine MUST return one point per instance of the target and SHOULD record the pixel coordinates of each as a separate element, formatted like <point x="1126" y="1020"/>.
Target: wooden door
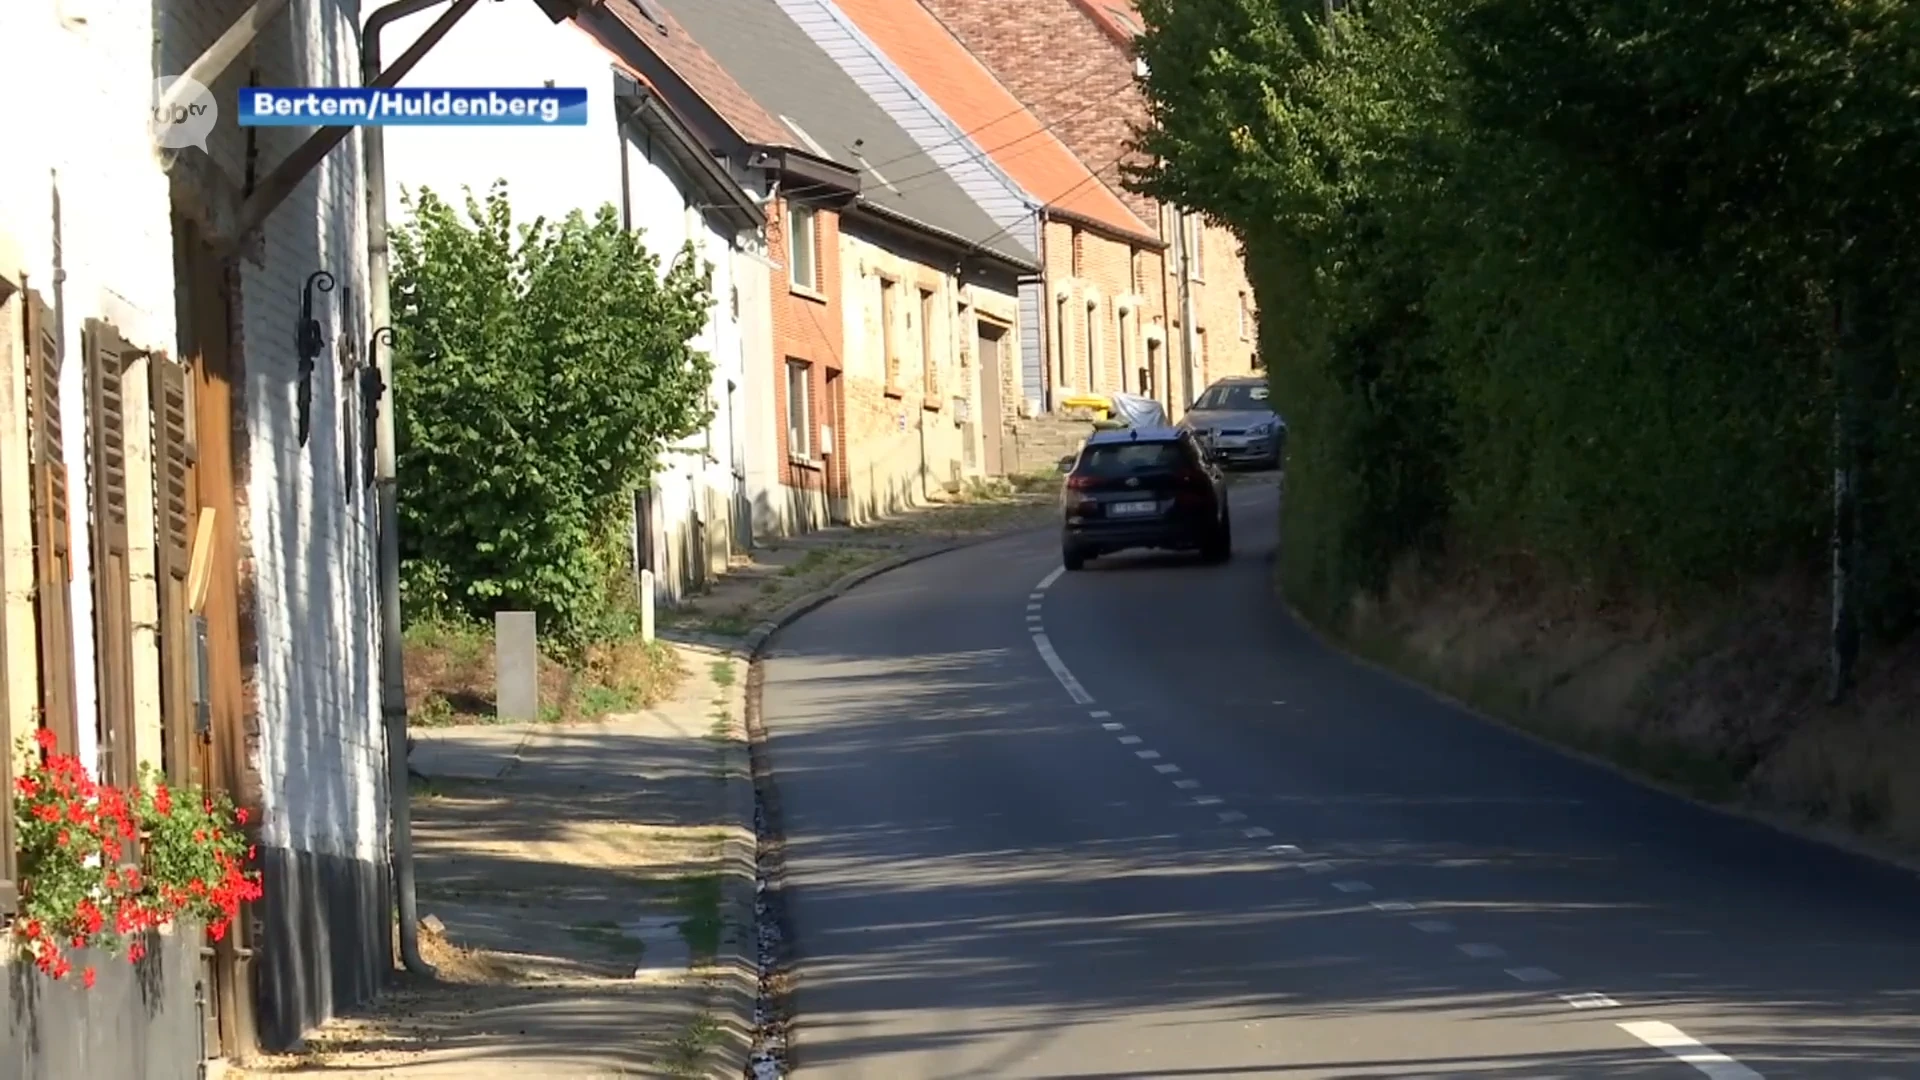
<point x="993" y="421"/>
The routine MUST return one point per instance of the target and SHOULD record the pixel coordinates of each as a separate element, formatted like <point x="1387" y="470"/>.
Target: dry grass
<point x="1725" y="704"/>
<point x="451" y="678"/>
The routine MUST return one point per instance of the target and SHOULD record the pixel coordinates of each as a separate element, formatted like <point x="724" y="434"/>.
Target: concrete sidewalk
<point x="589" y="895"/>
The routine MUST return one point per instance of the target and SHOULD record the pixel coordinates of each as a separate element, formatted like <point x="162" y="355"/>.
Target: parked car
<point x="1236" y="417"/>
<point x="1143" y="488"/>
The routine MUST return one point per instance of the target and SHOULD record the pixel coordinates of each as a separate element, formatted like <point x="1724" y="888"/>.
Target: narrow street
<point x="1135" y="822"/>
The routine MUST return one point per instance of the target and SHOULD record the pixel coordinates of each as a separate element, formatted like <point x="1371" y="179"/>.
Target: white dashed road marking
<point x="1100" y="714"/>
<point x="1433" y="926"/>
<point x="1186" y="785"/>
<point x="1482" y="952"/>
<point x="1206" y="800"/>
<point x="1072" y="685"/>
<point x="1680" y="1045"/>
<point x="1318" y="867"/>
<point x="1047" y="581"/>
<point x="1533" y="974"/>
<point x="1033" y="607"/>
<point x="1353" y="886"/>
<point x="1228" y="817"/>
<point x="1166" y="768"/>
<point x="1112" y="726"/>
<point x="1392" y="905"/>
<point x="1129" y="740"/>
<point x="1255" y="832"/>
<point x="1590" y="1001"/>
<point x="1147" y="755"/>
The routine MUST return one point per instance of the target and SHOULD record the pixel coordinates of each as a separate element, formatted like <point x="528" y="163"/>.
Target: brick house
<point x="802" y="192"/>
<point x="1086" y="318"/>
<point x="1072" y="63"/>
<point x="925" y="281"/>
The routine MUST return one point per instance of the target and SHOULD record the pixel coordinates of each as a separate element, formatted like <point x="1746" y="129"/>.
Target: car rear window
<point x="1128" y="458"/>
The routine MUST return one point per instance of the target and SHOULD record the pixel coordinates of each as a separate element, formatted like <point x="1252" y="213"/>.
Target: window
<point x="929" y="350"/>
<point x="1246" y="318"/>
<point x="803" y="247"/>
<point x="1234" y="397"/>
<point x="1196" y="246"/>
<point x="1131" y="458"/>
<point x="1093" y="348"/>
<point x="1060" y="338"/>
<point x="800" y="409"/>
<point x="889" y="340"/>
<point x="1125" y="351"/>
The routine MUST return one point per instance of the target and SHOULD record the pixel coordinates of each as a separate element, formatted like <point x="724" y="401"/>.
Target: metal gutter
<point x="645" y="108"/>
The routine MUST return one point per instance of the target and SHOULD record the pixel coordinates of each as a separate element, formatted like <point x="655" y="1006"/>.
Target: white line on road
<point x="1590" y="1001"/>
<point x="1392" y="905"/>
<point x="1033" y="618"/>
<point x="1100" y="714"/>
<point x="1434" y="926"/>
<point x="1690" y="1050"/>
<point x="1533" y="974"/>
<point x="1033" y="607"/>
<point x="1353" y="886"/>
<point x="1074" y="690"/>
<point x="1129" y="740"/>
<point x="1284" y="849"/>
<point x="1482" y="952"/>
<point x="1256" y="832"/>
<point x="1050" y="578"/>
<point x="1207" y="800"/>
<point x="1114" y="725"/>
<point x="1166" y="768"/>
<point x="1228" y="817"/>
<point x="1147" y="755"/>
<point x="1035" y="595"/>
<point x="1316" y="867"/>
<point x="1186" y="785"/>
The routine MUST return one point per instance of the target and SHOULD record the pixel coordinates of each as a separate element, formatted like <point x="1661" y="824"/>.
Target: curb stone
<point x="737" y="994"/>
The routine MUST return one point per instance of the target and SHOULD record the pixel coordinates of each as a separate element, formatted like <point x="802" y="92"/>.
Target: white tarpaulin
<point x="1137" y="411"/>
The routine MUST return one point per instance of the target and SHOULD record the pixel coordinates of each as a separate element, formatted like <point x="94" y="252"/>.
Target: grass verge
<point x="451" y="677"/>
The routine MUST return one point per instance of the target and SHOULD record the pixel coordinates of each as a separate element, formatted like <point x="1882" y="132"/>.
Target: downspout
<point x="393" y="686"/>
<point x="1050" y="393"/>
<point x="1187" y="390"/>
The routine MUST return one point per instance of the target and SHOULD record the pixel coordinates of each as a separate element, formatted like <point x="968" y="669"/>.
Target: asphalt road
<point x="1134" y="822"/>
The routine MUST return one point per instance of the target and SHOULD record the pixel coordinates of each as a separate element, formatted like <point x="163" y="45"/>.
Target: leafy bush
<point x="1573" y="281"/>
<point x="540" y="370"/>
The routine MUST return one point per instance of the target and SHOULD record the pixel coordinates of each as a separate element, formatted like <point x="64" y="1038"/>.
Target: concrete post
<point x="516" y="647"/>
<point x="646" y="605"/>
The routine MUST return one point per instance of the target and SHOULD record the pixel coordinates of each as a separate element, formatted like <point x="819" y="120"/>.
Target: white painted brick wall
<point x="321" y="751"/>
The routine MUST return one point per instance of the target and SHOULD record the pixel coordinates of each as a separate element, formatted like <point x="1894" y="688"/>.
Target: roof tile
<point x="922" y="47"/>
<point x="658" y="31"/>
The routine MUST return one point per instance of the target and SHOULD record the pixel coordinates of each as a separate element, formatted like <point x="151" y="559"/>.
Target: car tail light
<point x="1079" y="483"/>
<point x="1191" y="478"/>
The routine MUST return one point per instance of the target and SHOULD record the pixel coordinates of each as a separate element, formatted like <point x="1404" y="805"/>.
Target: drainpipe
<point x="1049" y="392"/>
<point x="393" y="685"/>
<point x="1186" y="312"/>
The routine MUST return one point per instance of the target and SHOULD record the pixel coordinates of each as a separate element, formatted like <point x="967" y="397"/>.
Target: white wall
<point x="91" y="147"/>
<point x="321" y="752"/>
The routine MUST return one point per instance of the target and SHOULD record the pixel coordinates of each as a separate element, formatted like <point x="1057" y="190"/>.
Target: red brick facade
<point x="808" y="327"/>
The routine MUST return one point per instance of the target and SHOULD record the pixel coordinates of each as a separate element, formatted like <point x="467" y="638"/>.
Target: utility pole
<point x="1184" y="258"/>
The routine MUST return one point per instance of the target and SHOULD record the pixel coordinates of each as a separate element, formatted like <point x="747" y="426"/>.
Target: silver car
<point x="1236" y="418"/>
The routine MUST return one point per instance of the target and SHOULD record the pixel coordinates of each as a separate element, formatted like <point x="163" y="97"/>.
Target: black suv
<point x="1143" y="488"/>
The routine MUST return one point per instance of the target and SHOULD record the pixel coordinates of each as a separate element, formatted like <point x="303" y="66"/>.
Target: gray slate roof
<point x="773" y="59"/>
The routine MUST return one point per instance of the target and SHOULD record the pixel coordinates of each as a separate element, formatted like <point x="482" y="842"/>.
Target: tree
<point x="540" y="370"/>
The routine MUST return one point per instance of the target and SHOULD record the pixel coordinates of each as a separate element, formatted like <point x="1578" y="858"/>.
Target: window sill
<point x="801" y="461"/>
<point x="894" y="392"/>
<point x="930" y="402"/>
<point x="806" y="293"/>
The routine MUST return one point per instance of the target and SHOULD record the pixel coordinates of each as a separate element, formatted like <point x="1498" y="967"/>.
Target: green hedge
<point x="1567" y="280"/>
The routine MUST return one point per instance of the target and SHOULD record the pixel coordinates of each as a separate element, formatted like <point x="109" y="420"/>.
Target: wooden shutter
<point x="106" y="355"/>
<point x="52" y="554"/>
<point x="173" y="553"/>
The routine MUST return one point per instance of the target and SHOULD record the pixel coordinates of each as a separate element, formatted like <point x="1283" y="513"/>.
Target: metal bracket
<point x="310" y="339"/>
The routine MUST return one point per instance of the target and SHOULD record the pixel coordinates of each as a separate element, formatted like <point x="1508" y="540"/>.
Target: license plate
<point x="1130" y="509"/>
<point x="1232" y="441"/>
